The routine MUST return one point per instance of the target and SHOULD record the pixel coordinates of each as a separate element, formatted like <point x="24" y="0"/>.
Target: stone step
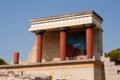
<point x="118" y="67"/>
<point x="113" y="77"/>
<point x="105" y="59"/>
<point x="110" y="68"/>
<point x="109" y="63"/>
<point x="111" y="72"/>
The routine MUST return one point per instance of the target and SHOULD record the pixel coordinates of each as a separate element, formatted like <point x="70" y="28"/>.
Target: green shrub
<point x="114" y="55"/>
<point x="2" y="62"/>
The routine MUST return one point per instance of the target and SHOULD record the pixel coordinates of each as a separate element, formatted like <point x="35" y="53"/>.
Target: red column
<point x="39" y="38"/>
<point x="16" y="58"/>
<point x="63" y="36"/>
<point x="89" y="41"/>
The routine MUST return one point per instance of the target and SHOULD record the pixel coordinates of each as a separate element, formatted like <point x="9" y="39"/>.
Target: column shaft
<point x="16" y="58"/>
<point x="63" y="44"/>
<point x="89" y="41"/>
<point x="39" y="47"/>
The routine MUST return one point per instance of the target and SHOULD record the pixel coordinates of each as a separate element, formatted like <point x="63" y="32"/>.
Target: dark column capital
<point x="89" y="25"/>
<point x="64" y="29"/>
<point x="40" y="32"/>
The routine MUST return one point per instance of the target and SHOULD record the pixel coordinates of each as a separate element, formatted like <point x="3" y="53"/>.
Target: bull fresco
<point x="76" y="44"/>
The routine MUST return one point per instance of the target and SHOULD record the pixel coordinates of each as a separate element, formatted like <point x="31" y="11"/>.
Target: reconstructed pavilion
<point x="67" y="36"/>
<point x="67" y="47"/>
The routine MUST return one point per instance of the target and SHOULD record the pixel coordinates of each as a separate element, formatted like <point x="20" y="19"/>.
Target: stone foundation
<point x="89" y="69"/>
<point x="112" y="71"/>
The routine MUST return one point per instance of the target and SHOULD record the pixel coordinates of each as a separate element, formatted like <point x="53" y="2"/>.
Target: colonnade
<point x="63" y="40"/>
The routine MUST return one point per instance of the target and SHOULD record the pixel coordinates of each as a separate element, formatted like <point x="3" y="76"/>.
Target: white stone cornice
<point x="69" y="20"/>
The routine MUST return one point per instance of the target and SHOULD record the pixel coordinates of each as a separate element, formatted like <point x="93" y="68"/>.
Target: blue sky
<point x="15" y="16"/>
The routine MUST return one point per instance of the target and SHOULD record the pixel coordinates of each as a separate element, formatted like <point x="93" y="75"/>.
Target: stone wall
<point x="51" y="48"/>
<point x="112" y="71"/>
<point x="88" y="69"/>
<point x="11" y="75"/>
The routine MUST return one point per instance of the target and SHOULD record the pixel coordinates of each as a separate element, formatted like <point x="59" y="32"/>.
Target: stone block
<point x="56" y="59"/>
<point x="118" y="67"/>
<point x="109" y="63"/>
<point x="105" y="59"/>
<point x="3" y="72"/>
<point x="111" y="72"/>
<point x="111" y="68"/>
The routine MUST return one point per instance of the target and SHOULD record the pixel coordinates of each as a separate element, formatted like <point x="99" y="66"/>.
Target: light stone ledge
<point x="112" y="68"/>
<point x="111" y="72"/>
<point x="109" y="63"/>
<point x="105" y="59"/>
<point x="71" y="20"/>
<point x="41" y="64"/>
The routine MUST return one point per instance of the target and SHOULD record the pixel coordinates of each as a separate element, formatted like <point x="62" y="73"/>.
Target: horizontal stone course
<point x="67" y="70"/>
<point x="111" y="70"/>
<point x="105" y="59"/>
<point x="109" y="63"/>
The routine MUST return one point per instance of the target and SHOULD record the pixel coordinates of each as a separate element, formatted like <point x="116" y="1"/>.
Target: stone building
<point x="67" y="47"/>
<point x="67" y="35"/>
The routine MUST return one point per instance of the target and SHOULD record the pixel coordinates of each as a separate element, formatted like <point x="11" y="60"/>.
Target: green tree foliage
<point x="114" y="55"/>
<point x="2" y="62"/>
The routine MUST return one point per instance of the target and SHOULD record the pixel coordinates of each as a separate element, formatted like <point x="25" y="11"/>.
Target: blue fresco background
<point x="76" y="43"/>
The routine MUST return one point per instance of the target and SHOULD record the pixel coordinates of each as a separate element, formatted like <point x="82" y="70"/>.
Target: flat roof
<point x="66" y="15"/>
<point x="73" y="20"/>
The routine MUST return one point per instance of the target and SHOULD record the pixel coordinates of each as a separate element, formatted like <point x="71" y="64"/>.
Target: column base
<point x="63" y="59"/>
<point x="16" y="62"/>
<point x="89" y="57"/>
<point x="39" y="60"/>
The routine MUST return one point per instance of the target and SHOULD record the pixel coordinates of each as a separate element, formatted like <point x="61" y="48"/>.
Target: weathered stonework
<point x="73" y="20"/>
<point x="68" y="70"/>
<point x="51" y="46"/>
<point x="49" y="51"/>
<point x="111" y="71"/>
<point x="70" y="45"/>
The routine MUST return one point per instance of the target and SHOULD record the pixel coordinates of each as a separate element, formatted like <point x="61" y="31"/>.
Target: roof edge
<point x="66" y="15"/>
